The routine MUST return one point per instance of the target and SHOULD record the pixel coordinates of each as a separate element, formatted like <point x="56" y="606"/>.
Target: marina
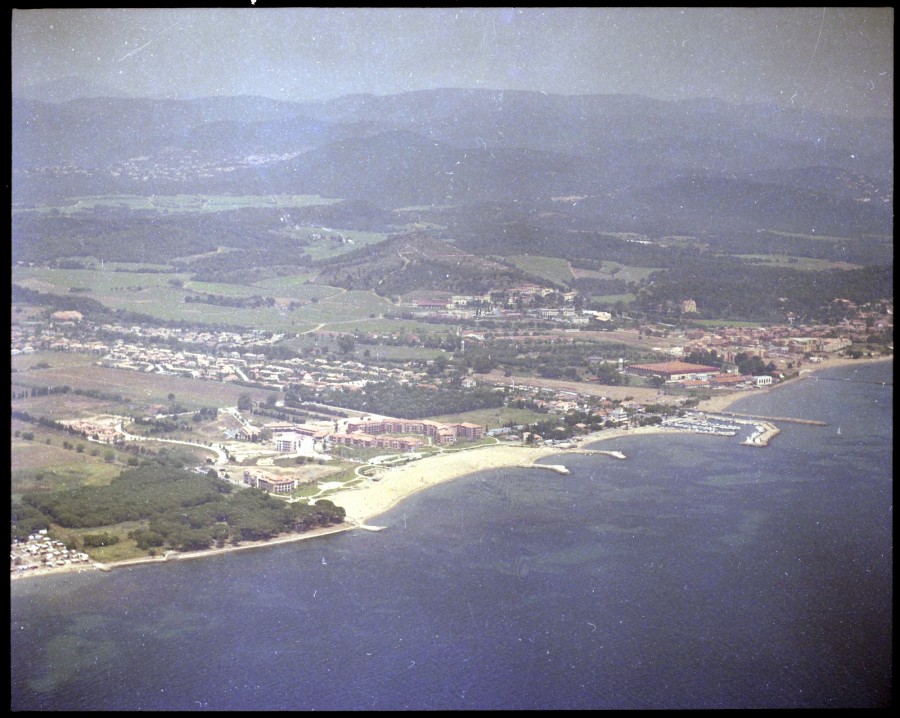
<point x="728" y="424"/>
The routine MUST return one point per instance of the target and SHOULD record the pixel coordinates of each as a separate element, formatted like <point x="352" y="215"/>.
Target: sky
<point x="838" y="60"/>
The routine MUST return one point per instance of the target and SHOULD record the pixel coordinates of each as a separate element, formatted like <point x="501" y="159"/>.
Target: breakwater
<point x="558" y="468"/>
<point x="789" y="419"/>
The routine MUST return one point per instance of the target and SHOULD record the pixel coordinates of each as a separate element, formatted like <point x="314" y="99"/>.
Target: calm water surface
<point x="697" y="573"/>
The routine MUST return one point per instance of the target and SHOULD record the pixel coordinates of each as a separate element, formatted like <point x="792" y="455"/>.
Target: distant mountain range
<point x="628" y="162"/>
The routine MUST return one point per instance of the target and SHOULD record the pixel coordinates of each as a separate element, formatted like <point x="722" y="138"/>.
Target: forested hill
<point x="418" y="261"/>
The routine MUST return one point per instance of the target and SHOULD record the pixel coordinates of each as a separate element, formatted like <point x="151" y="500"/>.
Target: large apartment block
<point x="437" y="432"/>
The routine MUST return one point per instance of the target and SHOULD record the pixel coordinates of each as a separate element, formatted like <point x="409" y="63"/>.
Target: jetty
<point x="614" y="454"/>
<point x="789" y="419"/>
<point x="764" y="432"/>
<point x="558" y="468"/>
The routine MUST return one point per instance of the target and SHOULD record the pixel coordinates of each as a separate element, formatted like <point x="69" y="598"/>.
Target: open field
<point x="792" y="262"/>
<point x="295" y="286"/>
<point x="614" y="270"/>
<point x="153" y="295"/>
<point x="64" y="406"/>
<point x="102" y="284"/>
<point x="493" y="418"/>
<point x="38" y="466"/>
<point x="324" y="248"/>
<point x="826" y="237"/>
<point x="352" y="303"/>
<point x="141" y="388"/>
<point x="22" y="363"/>
<point x="612" y="299"/>
<point x="226" y="290"/>
<point x="551" y="268"/>
<point x="400" y="353"/>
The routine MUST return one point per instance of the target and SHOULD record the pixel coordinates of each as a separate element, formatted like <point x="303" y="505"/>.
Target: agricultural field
<point x="793" y="262"/>
<point x="139" y="388"/>
<point x="37" y="362"/>
<point x="612" y="299"/>
<point x="296" y="287"/>
<point x="102" y="285"/>
<point x="614" y="270"/>
<point x="824" y="237"/>
<point x="155" y="295"/>
<point x="325" y="248"/>
<point x="226" y="290"/>
<point x="553" y="269"/>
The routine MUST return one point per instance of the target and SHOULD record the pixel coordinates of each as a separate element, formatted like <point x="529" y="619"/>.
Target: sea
<point x="695" y="573"/>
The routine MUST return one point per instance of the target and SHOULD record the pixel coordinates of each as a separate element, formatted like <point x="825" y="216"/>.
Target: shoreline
<point x="721" y="403"/>
<point x="374" y="498"/>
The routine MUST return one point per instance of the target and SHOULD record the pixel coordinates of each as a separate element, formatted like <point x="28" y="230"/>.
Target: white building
<point x="290" y="442"/>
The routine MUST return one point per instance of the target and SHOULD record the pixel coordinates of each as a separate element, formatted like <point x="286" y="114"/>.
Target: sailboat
<point x="839" y="431"/>
<point x="323" y="561"/>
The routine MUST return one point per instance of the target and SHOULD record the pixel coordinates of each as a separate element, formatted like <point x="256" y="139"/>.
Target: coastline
<point x="366" y="502"/>
<point x="721" y="403"/>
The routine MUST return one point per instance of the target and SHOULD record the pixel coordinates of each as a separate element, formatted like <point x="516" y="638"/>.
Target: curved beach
<point x="365" y="502"/>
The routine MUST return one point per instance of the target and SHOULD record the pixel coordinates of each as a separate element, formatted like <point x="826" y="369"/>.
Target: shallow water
<point x="697" y="573"/>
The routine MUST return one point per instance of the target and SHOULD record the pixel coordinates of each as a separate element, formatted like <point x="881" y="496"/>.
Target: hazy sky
<point x="834" y="59"/>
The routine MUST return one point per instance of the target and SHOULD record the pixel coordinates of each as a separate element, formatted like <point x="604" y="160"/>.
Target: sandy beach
<point x="365" y="502"/>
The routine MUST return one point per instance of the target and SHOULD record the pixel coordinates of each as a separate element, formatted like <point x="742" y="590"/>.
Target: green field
<point x="493" y="418"/>
<point x="154" y="295"/>
<point x="102" y="284"/>
<point x="29" y="362"/>
<point x="139" y="388"/>
<point x="792" y="262"/>
<point x="324" y="248"/>
<point x="295" y="286"/>
<point x="551" y="268"/>
<point x="611" y="299"/>
<point x="36" y="465"/>
<point x="808" y="236"/>
<point x="226" y="290"/>
<point x="401" y="353"/>
<point x="614" y="270"/>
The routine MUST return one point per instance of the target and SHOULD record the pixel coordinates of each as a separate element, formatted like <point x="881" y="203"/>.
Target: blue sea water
<point x="697" y="573"/>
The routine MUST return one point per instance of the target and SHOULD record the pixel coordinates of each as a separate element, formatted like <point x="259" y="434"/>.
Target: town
<point x="303" y="417"/>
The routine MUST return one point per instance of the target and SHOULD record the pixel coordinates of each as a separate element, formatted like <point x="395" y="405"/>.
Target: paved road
<point x="221" y="456"/>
